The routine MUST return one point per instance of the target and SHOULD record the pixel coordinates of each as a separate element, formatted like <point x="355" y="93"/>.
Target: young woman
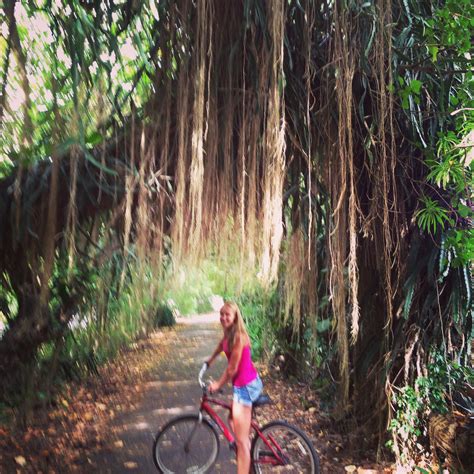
<point x="245" y="380"/>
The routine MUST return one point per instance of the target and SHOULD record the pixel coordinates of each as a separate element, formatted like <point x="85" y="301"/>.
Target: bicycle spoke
<point x="186" y="444"/>
<point x="287" y="443"/>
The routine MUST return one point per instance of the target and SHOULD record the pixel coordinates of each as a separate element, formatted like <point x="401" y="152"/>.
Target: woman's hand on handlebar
<point x="213" y="387"/>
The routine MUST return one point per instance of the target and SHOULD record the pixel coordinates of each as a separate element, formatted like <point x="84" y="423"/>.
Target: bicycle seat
<point x="263" y="399"/>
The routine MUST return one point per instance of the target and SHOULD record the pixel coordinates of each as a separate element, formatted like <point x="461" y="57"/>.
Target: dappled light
<point x="311" y="161"/>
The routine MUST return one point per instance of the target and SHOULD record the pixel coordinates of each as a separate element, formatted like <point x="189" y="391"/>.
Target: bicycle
<point x="190" y="443"/>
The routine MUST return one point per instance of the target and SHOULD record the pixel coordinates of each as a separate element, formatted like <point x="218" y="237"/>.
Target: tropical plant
<point x="321" y="146"/>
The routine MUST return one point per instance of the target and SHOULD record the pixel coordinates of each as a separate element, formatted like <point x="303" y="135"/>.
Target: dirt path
<point x="172" y="390"/>
<point x="107" y="424"/>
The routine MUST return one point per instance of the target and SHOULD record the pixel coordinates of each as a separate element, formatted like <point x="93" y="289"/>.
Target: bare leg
<point x="231" y="423"/>
<point x="242" y="416"/>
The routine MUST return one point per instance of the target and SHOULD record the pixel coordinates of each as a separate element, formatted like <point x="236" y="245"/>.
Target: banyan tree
<point x="328" y="141"/>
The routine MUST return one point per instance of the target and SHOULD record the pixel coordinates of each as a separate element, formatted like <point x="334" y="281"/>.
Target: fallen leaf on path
<point x="20" y="460"/>
<point x="85" y="427"/>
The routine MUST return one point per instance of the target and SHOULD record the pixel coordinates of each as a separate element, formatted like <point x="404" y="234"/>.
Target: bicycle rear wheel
<point x="290" y="443"/>
<point x="186" y="444"/>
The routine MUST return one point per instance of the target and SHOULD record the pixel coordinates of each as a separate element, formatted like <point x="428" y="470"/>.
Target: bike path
<point x="173" y="390"/>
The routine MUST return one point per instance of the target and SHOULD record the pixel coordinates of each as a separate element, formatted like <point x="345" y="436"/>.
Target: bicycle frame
<point x="267" y="447"/>
<point x="275" y="458"/>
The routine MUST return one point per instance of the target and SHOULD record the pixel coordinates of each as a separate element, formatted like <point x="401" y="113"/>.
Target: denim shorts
<point x="247" y="394"/>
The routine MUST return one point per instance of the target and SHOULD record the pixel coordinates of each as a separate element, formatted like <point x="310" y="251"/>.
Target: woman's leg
<point x="242" y="416"/>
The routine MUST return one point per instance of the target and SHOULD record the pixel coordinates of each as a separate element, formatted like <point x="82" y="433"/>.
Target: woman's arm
<point x="232" y="366"/>
<point x="216" y="352"/>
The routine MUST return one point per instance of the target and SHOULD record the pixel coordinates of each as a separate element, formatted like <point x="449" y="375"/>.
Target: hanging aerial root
<point x="274" y="156"/>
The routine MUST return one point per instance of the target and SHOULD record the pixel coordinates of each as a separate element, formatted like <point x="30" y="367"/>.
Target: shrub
<point x="164" y="316"/>
<point x="415" y="403"/>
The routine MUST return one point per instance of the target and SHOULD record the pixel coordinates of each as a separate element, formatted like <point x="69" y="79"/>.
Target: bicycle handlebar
<point x="203" y="384"/>
<point x="204" y="367"/>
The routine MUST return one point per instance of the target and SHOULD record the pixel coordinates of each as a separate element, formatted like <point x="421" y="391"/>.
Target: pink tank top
<point x="246" y="372"/>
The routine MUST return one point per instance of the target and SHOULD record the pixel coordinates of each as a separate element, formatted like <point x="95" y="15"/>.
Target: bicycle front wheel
<point x="186" y="444"/>
<point x="290" y="443"/>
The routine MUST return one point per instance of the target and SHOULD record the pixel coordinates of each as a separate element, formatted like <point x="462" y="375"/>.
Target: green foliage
<point x="204" y="305"/>
<point x="447" y="36"/>
<point x="164" y="316"/>
<point x="92" y="60"/>
<point x="113" y="318"/>
<point x="431" y="216"/>
<point x="439" y="113"/>
<point x="448" y="169"/>
<point x="190" y="289"/>
<point x="451" y="26"/>
<point x="408" y="91"/>
<point x="443" y="378"/>
<point x="85" y="63"/>
<point x="258" y="310"/>
<point x="8" y="301"/>
<point x="424" y="471"/>
<point x="406" y="423"/>
<point x="273" y="339"/>
<point x="452" y="213"/>
<point x="450" y="174"/>
<point x="414" y="403"/>
<point x="191" y="285"/>
<point x="460" y="245"/>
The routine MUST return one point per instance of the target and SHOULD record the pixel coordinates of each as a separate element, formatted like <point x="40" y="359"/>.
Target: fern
<point x="432" y="216"/>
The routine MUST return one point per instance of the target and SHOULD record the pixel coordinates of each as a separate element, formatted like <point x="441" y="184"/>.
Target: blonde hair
<point x="238" y="327"/>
